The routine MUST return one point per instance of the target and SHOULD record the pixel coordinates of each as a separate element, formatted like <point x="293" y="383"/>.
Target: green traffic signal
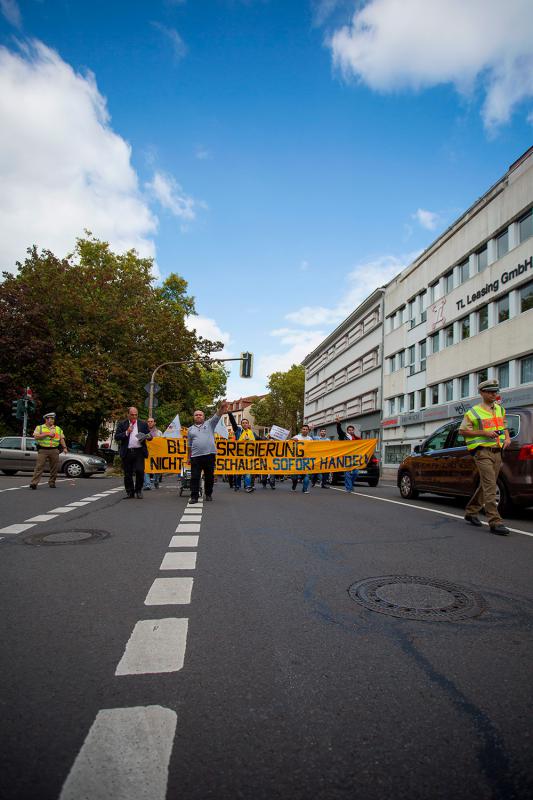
<point x="247" y="360"/>
<point x="17" y="408"/>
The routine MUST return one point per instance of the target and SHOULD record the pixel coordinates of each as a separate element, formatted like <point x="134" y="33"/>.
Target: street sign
<point x="155" y="402"/>
<point x="156" y="388"/>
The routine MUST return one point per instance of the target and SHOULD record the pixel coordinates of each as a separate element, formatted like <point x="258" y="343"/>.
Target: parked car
<point x="14" y="459"/>
<point x="369" y="475"/>
<point x="443" y="465"/>
<point x="107" y="453"/>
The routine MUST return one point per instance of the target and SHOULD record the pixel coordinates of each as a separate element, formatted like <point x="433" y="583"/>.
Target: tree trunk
<point x="91" y="442"/>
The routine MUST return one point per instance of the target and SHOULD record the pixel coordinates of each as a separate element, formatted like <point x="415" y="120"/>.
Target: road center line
<point x="169" y="591"/>
<point x="187" y="528"/>
<point x="181" y="560"/>
<point x="155" y="645"/>
<point x="184" y="541"/>
<point x="125" y="756"/>
<point x="420" y="508"/>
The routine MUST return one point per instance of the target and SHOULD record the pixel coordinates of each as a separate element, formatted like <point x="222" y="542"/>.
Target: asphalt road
<point x="261" y="676"/>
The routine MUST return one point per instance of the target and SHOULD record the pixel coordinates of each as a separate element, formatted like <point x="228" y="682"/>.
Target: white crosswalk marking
<point x="155" y="645"/>
<point x="16" y="528"/>
<point x="125" y="756"/>
<point x="42" y="518"/>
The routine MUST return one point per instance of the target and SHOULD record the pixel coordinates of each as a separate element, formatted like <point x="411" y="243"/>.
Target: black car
<point x="369" y="475"/>
<point x="442" y="464"/>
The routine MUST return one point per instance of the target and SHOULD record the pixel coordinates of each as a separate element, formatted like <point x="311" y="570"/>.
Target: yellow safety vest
<point x="488" y="421"/>
<point x="50" y="441"/>
<point x="247" y="434"/>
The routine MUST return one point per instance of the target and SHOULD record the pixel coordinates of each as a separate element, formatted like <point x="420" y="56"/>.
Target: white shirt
<point x="133" y="441"/>
<point x="303" y="438"/>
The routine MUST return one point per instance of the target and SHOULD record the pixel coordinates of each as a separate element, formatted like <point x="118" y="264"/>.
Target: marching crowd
<point x="484" y="427"/>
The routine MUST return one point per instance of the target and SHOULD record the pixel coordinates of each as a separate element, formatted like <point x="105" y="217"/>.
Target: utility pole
<point x="246" y="358"/>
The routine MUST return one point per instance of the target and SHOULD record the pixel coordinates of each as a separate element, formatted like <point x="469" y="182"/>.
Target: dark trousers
<point x="207" y="465"/>
<point x="133" y="462"/>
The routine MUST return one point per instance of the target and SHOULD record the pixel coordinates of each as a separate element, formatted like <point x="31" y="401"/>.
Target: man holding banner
<point x="243" y="432"/>
<point x="350" y="477"/>
<point x="305" y="437"/>
<point x="202" y="450"/>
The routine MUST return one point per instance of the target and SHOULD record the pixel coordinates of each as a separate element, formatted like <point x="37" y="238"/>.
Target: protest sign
<point x="278" y="433"/>
<point x="174" y="429"/>
<point x="273" y="457"/>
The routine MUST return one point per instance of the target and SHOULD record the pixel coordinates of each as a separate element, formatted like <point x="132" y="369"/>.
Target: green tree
<point x="284" y="405"/>
<point x="86" y="331"/>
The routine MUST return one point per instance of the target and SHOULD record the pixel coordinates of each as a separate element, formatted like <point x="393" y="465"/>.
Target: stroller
<point x="184" y="481"/>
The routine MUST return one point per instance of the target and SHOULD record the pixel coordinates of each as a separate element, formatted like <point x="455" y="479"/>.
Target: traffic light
<point x="17" y="408"/>
<point x="30" y="407"/>
<point x="247" y="362"/>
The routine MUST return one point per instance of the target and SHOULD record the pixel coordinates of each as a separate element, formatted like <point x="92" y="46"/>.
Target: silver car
<point x="14" y="459"/>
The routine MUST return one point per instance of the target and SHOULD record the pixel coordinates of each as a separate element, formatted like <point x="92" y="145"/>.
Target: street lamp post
<point x="204" y="363"/>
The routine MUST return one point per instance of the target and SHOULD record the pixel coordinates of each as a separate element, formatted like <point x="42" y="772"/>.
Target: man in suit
<point x="131" y="434"/>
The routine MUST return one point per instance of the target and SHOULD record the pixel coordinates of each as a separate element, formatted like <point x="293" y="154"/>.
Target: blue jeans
<point x="350" y="478"/>
<point x="247" y="481"/>
<point x="306" y="482"/>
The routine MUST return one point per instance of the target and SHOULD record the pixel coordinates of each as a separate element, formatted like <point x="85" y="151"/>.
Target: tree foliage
<point x="284" y="405"/>
<point x="86" y="332"/>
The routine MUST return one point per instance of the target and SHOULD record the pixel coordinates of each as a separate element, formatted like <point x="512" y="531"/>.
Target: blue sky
<point x="284" y="157"/>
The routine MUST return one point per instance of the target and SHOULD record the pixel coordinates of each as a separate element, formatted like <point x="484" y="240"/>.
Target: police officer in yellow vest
<point x="485" y="430"/>
<point x="50" y="439"/>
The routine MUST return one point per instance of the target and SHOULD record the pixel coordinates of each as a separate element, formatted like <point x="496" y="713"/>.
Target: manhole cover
<point x="412" y="597"/>
<point x="66" y="537"/>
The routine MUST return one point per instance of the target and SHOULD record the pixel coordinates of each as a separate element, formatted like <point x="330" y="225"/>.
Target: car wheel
<point x="407" y="490"/>
<point x="373" y="482"/>
<point x="502" y="497"/>
<point x="74" y="469"/>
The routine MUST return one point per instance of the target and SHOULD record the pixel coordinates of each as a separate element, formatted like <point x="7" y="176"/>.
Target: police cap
<point x="491" y="385"/>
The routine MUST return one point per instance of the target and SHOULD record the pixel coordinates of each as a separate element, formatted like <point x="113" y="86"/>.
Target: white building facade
<point x="462" y="312"/>
<point x="343" y="374"/>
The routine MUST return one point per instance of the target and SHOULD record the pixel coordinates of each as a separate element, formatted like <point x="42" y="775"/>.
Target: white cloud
<point x="202" y="153"/>
<point x="397" y="44"/>
<point x="209" y="329"/>
<point x="11" y="12"/>
<point x="361" y="282"/>
<point x="170" y="195"/>
<point x="179" y="48"/>
<point x="427" y="219"/>
<point x="62" y="167"/>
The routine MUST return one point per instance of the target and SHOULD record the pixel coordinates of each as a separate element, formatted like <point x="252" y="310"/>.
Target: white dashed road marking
<point x="184" y="541"/>
<point x="79" y="503"/>
<point x="61" y="510"/>
<point x="188" y="528"/>
<point x="169" y="591"/>
<point x="125" y="756"/>
<point x="185" y="560"/>
<point x="156" y="645"/>
<point x="42" y="518"/>
<point x="16" y="528"/>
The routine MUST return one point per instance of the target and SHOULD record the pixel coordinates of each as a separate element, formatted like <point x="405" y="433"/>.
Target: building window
<point x="502" y="243"/>
<point x="525" y="226"/>
<point x="401" y="315"/>
<point x="422" y="398"/>
<point x="435" y="343"/>
<point x="448" y="336"/>
<point x="482" y="258"/>
<point x="401" y="403"/>
<point x="411" y="401"/>
<point x="395" y="453"/>
<point x="434" y="395"/>
<point x="483" y="318"/>
<point x="401" y="359"/>
<point x="422" y="346"/>
<point x="526" y="370"/>
<point x="392" y="405"/>
<point x="448" y="282"/>
<point x="503" y="308"/>
<point x="503" y="375"/>
<point x="422" y="301"/>
<point x="464" y="328"/>
<point x="448" y="391"/>
<point x="411" y="354"/>
<point x="526" y="297"/>
<point x="411" y="308"/>
<point x="464" y="271"/>
<point x="465" y="385"/>
<point x="482" y="375"/>
<point x="434" y="293"/>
